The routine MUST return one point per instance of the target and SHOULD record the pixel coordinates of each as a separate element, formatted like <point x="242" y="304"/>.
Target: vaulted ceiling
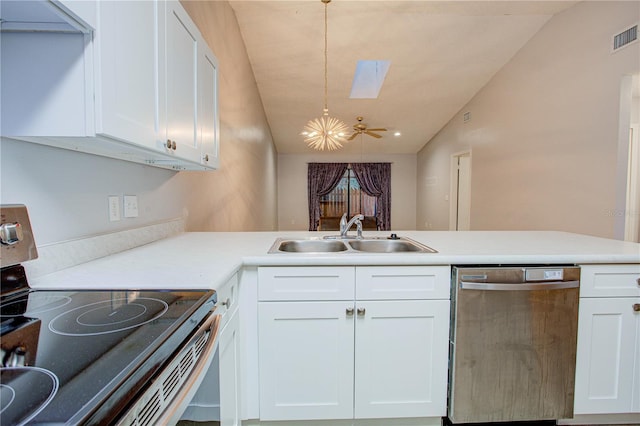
<point x="441" y="52"/>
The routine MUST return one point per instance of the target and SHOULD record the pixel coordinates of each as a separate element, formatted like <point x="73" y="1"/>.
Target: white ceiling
<point x="442" y="53"/>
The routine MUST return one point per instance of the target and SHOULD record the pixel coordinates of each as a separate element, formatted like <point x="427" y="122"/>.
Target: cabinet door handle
<point x="361" y="311"/>
<point x="227" y="303"/>
<point x="349" y="312"/>
<point x="636" y="307"/>
<point x="173" y="145"/>
<point x="168" y="143"/>
<point x="206" y="157"/>
<point x="638" y="281"/>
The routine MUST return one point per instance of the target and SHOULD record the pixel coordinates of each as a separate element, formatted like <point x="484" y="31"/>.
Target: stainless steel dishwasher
<point x="513" y="343"/>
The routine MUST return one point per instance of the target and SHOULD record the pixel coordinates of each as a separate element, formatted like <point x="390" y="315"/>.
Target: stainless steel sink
<point x="389" y="246"/>
<point x="308" y="246"/>
<point x="331" y="245"/>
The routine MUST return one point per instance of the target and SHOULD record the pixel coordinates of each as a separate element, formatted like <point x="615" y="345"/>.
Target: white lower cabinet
<point x="608" y="353"/>
<point x="401" y="358"/>
<point x="306" y="360"/>
<point x="607" y="363"/>
<point x="355" y="357"/>
<point x="230" y="372"/>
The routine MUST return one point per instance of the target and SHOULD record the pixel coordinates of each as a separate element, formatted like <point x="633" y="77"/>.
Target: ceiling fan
<point x="361" y="128"/>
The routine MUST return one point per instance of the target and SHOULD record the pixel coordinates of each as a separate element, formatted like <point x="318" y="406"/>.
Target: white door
<point x="230" y="372"/>
<point x="126" y="87"/>
<point x="606" y="355"/>
<point x="181" y="62"/>
<point x="401" y="358"/>
<point x="306" y="360"/>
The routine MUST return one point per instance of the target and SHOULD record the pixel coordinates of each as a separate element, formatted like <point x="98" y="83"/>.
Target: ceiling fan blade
<point x="378" y="130"/>
<point x="373" y="134"/>
<point x="352" y="137"/>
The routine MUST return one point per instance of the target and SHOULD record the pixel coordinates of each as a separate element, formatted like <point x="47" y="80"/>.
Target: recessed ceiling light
<point x="397" y="134"/>
<point x="368" y="79"/>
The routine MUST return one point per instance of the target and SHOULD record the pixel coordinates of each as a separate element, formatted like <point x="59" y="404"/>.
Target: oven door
<point x="168" y="396"/>
<point x="218" y="399"/>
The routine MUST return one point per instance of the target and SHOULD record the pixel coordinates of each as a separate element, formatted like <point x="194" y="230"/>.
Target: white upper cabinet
<point x="127" y="96"/>
<point x="140" y="84"/>
<point x="208" y="119"/>
<point x="179" y="67"/>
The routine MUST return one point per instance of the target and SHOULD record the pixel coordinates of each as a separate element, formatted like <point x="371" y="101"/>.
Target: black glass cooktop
<point x="70" y="354"/>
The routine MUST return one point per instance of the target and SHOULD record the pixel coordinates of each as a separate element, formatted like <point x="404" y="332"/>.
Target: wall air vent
<point x="625" y="38"/>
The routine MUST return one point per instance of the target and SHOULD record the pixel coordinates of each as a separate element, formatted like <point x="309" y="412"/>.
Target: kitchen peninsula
<point x="211" y="260"/>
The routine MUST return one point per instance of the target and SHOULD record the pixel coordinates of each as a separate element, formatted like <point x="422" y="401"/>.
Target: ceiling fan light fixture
<point x="325" y="132"/>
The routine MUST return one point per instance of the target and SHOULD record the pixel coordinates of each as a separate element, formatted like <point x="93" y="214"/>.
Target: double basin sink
<point x="366" y="245"/>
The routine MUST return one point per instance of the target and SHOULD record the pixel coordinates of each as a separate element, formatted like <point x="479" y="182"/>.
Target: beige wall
<point x="241" y="195"/>
<point x="543" y="132"/>
<point x="293" y="212"/>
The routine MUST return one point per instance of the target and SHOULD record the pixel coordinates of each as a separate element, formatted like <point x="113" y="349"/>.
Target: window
<point x="361" y="188"/>
<point x="346" y="197"/>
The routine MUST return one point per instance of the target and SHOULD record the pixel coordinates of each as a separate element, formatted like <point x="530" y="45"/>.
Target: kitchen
<point x="66" y="205"/>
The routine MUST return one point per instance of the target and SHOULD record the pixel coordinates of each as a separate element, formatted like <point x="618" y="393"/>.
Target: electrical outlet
<point x="114" y="208"/>
<point x="130" y="206"/>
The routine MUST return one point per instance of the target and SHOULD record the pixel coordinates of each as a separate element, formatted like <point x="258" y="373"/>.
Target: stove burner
<point x="108" y="316"/>
<point x="24" y="393"/>
<point x="35" y="306"/>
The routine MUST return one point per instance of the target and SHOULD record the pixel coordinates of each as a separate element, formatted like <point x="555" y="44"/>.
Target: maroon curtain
<point x="321" y="179"/>
<point x="375" y="180"/>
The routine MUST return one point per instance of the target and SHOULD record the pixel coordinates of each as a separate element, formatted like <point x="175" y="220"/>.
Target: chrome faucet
<point x="344" y="225"/>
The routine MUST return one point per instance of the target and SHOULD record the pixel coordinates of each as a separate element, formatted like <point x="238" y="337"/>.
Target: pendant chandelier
<point x="325" y="132"/>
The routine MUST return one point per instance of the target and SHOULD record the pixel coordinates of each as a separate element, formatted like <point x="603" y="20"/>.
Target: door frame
<point x="453" y="187"/>
<point x="632" y="213"/>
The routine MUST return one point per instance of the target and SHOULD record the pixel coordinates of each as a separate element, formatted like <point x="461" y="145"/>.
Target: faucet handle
<point x="343" y="222"/>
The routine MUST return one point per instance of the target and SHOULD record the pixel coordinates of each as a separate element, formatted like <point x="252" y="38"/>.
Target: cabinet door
<point x="181" y="83"/>
<point x="127" y="87"/>
<point x="606" y="354"/>
<point x="208" y="107"/>
<point x="230" y="372"/>
<point x="306" y="360"/>
<point x="401" y="355"/>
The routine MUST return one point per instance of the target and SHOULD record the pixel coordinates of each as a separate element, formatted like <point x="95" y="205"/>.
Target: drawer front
<point x="402" y="282"/>
<point x="306" y="283"/>
<point x="610" y="281"/>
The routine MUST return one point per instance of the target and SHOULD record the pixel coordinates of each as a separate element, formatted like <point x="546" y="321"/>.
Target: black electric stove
<point x="84" y="357"/>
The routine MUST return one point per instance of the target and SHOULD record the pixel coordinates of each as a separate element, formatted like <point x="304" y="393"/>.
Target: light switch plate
<point x="130" y="206"/>
<point x="114" y="208"/>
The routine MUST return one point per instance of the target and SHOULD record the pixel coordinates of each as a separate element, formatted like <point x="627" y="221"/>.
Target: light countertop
<point x="201" y="260"/>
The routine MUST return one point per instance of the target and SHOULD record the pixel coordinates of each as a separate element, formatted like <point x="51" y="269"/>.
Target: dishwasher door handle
<point x="549" y="285"/>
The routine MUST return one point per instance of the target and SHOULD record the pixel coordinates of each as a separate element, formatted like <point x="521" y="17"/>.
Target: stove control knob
<point x="11" y="233"/>
<point x="14" y="358"/>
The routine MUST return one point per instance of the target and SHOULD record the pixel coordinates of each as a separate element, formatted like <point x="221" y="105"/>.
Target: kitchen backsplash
<point x="58" y="256"/>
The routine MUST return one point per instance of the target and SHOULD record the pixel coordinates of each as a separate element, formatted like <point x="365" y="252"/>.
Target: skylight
<point x="368" y="78"/>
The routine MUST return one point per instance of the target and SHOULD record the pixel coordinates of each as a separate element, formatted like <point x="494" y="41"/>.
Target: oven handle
<point x="550" y="285"/>
<point x="181" y="400"/>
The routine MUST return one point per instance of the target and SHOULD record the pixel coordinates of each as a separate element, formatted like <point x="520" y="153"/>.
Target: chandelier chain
<point x="326" y="48"/>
